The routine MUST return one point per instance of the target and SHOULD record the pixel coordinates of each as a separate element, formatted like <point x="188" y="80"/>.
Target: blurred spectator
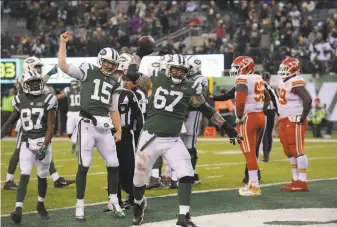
<point x="318" y="119"/>
<point x="308" y="6"/>
<point x="6" y="106"/>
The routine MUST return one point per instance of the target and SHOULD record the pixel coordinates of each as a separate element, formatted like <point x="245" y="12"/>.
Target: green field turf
<point x="220" y="165"/>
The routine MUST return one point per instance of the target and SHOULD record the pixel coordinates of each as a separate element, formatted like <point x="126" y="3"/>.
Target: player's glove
<point x="296" y="118"/>
<point x="94" y="120"/>
<point x="233" y="135"/>
<point x="142" y="51"/>
<point x="41" y="154"/>
<point x="240" y="120"/>
<point x="53" y="71"/>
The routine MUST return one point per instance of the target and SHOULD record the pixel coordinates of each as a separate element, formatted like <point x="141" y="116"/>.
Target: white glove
<point x="241" y="120"/>
<point x="295" y="118"/>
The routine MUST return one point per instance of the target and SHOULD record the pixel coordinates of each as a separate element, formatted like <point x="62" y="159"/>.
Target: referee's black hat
<point x="266" y="76"/>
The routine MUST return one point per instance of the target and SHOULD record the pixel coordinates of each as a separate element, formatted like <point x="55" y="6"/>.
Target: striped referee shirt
<point x="129" y="109"/>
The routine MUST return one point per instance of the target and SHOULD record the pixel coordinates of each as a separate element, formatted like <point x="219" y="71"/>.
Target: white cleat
<point x="250" y="191"/>
<point x="80" y="213"/>
<point x="115" y="207"/>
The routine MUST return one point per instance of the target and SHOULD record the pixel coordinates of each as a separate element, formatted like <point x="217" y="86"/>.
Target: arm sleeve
<point x="228" y="95"/>
<point x="80" y="72"/>
<point x="52" y="103"/>
<point x="136" y="113"/>
<point x="114" y="101"/>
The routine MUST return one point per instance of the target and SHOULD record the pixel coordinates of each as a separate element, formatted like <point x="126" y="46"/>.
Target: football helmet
<point x="195" y="65"/>
<point x="289" y="67"/>
<point x="32" y="83"/>
<point x="75" y="84"/>
<point x="124" y="61"/>
<point x="177" y="69"/>
<point x="242" y="65"/>
<point x="153" y="68"/>
<point x="107" y="61"/>
<point x="32" y="64"/>
<point x="163" y="62"/>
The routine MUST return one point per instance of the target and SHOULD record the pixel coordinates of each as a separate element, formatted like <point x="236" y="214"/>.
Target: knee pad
<point x="70" y="135"/>
<point x="193" y="153"/>
<point x="83" y="169"/>
<point x="186" y="180"/>
<point x="141" y="170"/>
<point x="43" y="173"/>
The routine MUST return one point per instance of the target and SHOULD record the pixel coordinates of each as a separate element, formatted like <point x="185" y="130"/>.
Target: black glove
<point x="41" y="154"/>
<point x="233" y="135"/>
<point x="94" y="120"/>
<point x="142" y="51"/>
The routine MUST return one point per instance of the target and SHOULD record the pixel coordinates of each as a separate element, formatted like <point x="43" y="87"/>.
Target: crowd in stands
<point x="268" y="30"/>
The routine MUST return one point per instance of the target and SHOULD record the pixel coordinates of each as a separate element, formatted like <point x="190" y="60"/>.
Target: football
<point x="147" y="43"/>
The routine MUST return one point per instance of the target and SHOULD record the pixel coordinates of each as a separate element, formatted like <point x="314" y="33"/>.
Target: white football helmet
<point x="32" y="64"/>
<point x="32" y="83"/>
<point x="75" y="83"/>
<point x="194" y="64"/>
<point x="163" y="61"/>
<point x="124" y="61"/>
<point x="107" y="60"/>
<point x="178" y="62"/>
<point x="153" y="68"/>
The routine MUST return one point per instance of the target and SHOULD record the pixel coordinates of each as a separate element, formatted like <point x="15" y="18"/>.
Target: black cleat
<point x="173" y="185"/>
<point x="17" y="215"/>
<point x="61" y="182"/>
<point x="185" y="221"/>
<point x="127" y="204"/>
<point x="259" y="175"/>
<point x="196" y="179"/>
<point x="10" y="185"/>
<point x="41" y="209"/>
<point x="138" y="212"/>
<point x="154" y="183"/>
<point x="245" y="179"/>
<point x="265" y="159"/>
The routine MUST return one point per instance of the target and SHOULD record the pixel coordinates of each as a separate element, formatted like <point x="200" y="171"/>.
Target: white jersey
<point x="290" y="103"/>
<point x="255" y="92"/>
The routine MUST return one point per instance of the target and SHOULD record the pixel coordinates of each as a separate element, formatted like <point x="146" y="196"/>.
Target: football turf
<point x="220" y="165"/>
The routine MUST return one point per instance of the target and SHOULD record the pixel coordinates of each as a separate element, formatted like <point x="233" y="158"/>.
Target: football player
<point x="194" y="116"/>
<point x="170" y="97"/>
<point x="31" y="64"/>
<point x="98" y="116"/>
<point x="37" y="112"/>
<point x="74" y="107"/>
<point x="251" y="100"/>
<point x="295" y="105"/>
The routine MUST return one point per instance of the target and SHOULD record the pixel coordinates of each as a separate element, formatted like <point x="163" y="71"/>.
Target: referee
<point x="129" y="111"/>
<point x="267" y="140"/>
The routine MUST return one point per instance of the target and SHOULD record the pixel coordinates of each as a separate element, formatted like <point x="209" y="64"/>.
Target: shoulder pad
<point x="241" y="79"/>
<point x="297" y="81"/>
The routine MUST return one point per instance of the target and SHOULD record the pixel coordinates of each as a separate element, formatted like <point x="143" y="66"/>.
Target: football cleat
<point x="80" y="213"/>
<point x="196" y="179"/>
<point x="185" y="221"/>
<point x="174" y="184"/>
<point x="138" y="212"/>
<point x="299" y="186"/>
<point x="154" y="183"/>
<point x="17" y="215"/>
<point x="287" y="187"/>
<point x="250" y="191"/>
<point x="10" y="185"/>
<point x="127" y="204"/>
<point x="114" y="207"/>
<point x="41" y="209"/>
<point x="61" y="182"/>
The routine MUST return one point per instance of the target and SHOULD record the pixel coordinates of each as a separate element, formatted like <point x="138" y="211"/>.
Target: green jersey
<point x="34" y="113"/>
<point x="96" y="88"/>
<point x="168" y="105"/>
<point x="74" y="99"/>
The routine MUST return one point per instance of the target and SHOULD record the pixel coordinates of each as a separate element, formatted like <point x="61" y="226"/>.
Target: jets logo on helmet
<point x="32" y="64"/>
<point x="177" y="69"/>
<point x="75" y="84"/>
<point x="32" y="83"/>
<point x="107" y="60"/>
<point x="124" y="61"/>
<point x="164" y="61"/>
<point x="194" y="65"/>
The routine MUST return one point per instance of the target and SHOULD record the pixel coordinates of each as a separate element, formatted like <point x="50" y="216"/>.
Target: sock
<point x="113" y="198"/>
<point x="184" y="197"/>
<point x="112" y="180"/>
<point x="139" y="194"/>
<point x="80" y="202"/>
<point x="302" y="162"/>
<point x="55" y="176"/>
<point x="42" y="187"/>
<point x="13" y="162"/>
<point x="40" y="199"/>
<point x="19" y="204"/>
<point x="184" y="209"/>
<point x="52" y="168"/>
<point x="81" y="181"/>
<point x="253" y="178"/>
<point x="294" y="170"/>
<point x="155" y="173"/>
<point x="174" y="176"/>
<point x="22" y="188"/>
<point x="9" y="177"/>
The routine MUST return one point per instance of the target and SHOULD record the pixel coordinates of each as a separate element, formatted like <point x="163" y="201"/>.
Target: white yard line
<point x="174" y="194"/>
